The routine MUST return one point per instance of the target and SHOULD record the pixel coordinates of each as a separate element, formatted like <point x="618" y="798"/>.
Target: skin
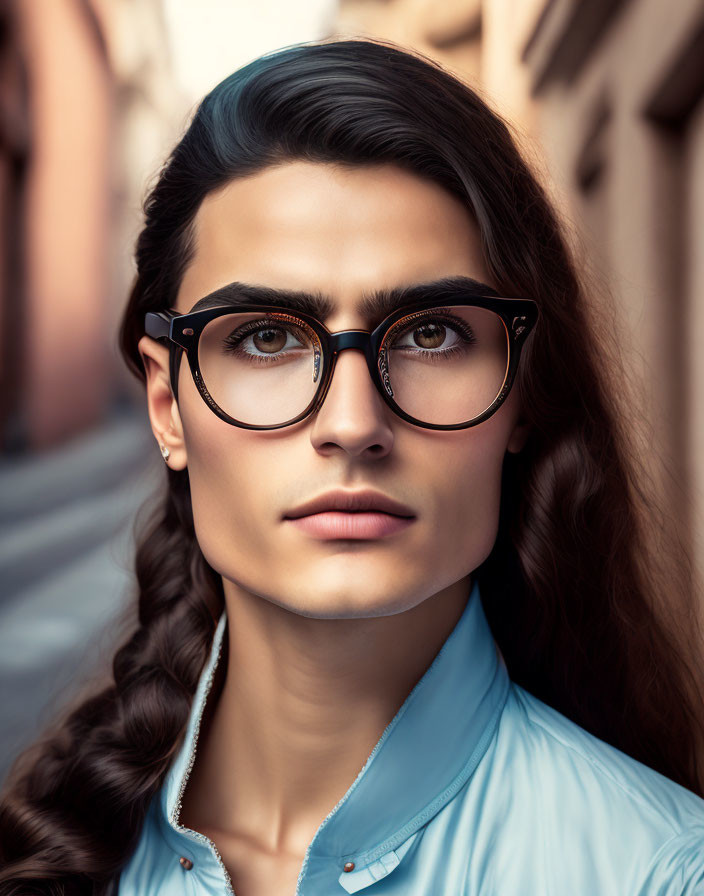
<point x="326" y="638"/>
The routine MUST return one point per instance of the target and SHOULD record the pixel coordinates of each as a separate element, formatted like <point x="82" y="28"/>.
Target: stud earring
<point x="164" y="452"/>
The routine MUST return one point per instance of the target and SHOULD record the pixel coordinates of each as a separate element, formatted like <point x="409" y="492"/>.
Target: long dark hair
<point x="585" y="617"/>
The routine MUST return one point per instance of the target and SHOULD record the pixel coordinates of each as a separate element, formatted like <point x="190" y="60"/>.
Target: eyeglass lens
<point x="441" y="366"/>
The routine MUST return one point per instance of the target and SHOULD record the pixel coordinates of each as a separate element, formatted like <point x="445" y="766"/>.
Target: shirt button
<point x="348" y="866"/>
<point x="187" y="863"/>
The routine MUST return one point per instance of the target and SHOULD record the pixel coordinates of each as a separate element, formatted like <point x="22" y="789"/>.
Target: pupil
<point x="268" y="334"/>
<point x="437" y="335"/>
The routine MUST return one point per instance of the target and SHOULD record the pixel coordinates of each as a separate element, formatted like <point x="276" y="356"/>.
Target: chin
<point x="331" y="603"/>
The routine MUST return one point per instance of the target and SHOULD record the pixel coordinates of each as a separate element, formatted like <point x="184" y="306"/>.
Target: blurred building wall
<point x="14" y="152"/>
<point x="88" y="109"/>
<point x="605" y="98"/>
<point x="619" y="87"/>
<point x="59" y="223"/>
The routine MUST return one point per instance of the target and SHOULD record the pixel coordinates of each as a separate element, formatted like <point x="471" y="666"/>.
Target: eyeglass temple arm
<point x="157" y="324"/>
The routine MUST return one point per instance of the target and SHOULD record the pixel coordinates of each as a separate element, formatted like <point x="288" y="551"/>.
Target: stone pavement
<point x="66" y="552"/>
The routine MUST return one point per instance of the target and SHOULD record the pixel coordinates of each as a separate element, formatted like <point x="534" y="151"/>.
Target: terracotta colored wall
<point x="66" y="220"/>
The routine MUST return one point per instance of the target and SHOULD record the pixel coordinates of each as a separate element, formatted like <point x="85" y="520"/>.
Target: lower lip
<point x="341" y="524"/>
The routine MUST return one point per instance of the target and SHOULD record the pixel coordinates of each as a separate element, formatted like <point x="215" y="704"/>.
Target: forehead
<point x="331" y="230"/>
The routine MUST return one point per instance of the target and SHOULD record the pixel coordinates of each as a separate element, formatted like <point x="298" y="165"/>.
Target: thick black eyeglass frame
<point x="183" y="331"/>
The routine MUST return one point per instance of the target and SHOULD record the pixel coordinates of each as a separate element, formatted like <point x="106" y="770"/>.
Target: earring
<point x="164" y="452"/>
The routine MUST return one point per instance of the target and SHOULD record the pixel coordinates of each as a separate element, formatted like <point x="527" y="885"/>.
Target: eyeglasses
<point x="437" y="364"/>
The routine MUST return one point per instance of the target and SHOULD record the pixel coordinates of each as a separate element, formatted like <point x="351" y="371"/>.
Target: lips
<point x="363" y="501"/>
<point x="335" y="525"/>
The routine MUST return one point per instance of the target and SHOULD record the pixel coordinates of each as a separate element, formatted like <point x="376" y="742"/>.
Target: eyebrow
<point x="373" y="306"/>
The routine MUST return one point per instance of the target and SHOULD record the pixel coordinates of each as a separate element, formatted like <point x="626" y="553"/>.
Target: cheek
<point x="471" y="479"/>
<point x="229" y="490"/>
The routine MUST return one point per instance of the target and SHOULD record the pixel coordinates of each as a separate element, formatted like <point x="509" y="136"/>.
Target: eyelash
<point x="234" y="340"/>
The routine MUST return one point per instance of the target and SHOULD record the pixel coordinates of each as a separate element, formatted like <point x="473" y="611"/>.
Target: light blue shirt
<point x="475" y="788"/>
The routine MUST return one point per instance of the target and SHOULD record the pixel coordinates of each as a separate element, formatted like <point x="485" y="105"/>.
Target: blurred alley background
<point x="605" y="97"/>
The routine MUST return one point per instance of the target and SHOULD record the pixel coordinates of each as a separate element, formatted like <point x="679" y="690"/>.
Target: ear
<point x="518" y="437"/>
<point x="163" y="410"/>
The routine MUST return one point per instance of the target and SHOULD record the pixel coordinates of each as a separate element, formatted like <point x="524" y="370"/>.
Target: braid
<point x="75" y="802"/>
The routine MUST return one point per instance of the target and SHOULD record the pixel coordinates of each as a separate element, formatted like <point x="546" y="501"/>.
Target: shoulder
<point x="574" y="755"/>
<point x="597" y="810"/>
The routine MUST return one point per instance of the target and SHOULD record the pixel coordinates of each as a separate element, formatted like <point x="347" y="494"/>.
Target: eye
<point x="265" y="340"/>
<point x="437" y="335"/>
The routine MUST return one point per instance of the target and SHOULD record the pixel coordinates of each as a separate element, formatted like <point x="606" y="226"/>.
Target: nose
<point x="353" y="415"/>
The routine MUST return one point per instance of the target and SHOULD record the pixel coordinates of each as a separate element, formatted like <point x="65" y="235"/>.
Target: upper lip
<point x="358" y="501"/>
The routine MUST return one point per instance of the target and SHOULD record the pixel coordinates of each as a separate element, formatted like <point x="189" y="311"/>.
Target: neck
<point x="298" y="705"/>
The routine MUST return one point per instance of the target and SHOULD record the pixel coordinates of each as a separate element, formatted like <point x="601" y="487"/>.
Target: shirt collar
<point x="425" y="755"/>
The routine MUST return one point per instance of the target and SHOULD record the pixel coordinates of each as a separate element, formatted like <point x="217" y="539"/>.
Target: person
<point x="398" y="629"/>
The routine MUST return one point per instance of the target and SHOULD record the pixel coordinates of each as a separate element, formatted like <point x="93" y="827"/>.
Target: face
<point x="320" y="227"/>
